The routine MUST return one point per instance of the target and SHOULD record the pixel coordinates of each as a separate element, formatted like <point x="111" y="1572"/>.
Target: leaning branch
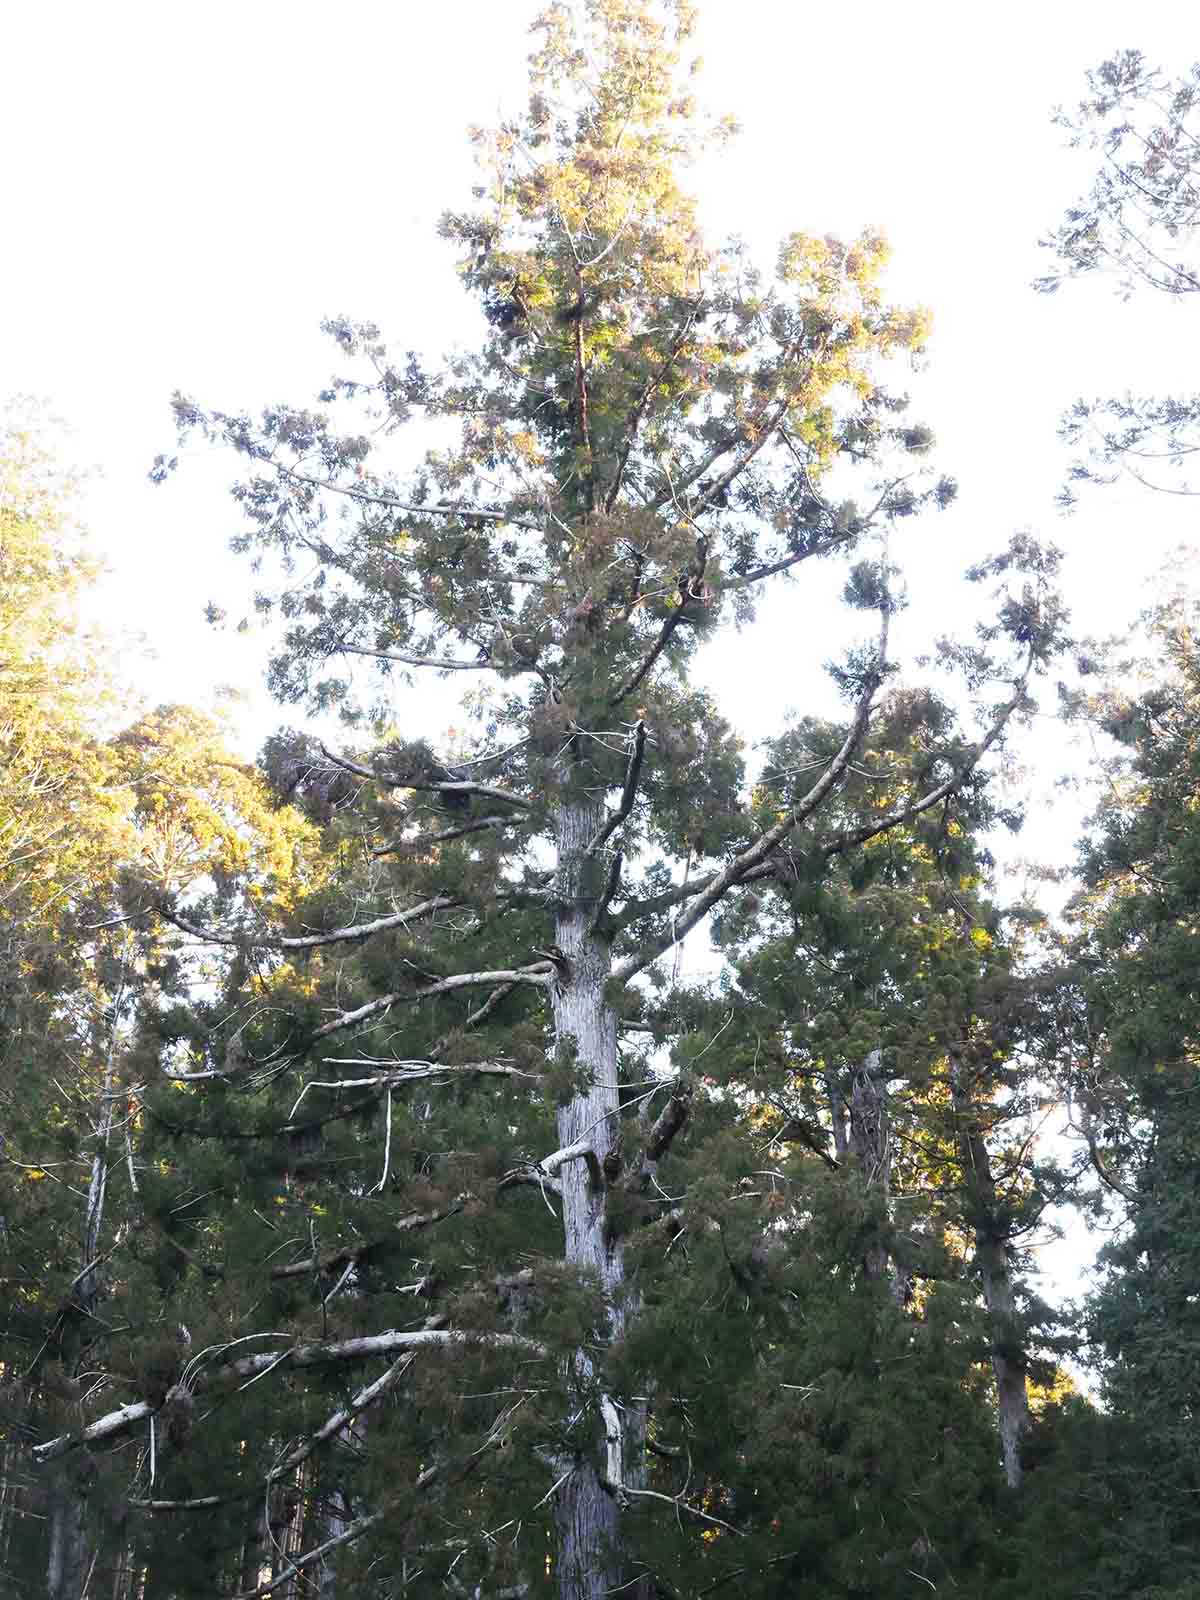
<point x="903" y="814"/>
<point x="756" y="856"/>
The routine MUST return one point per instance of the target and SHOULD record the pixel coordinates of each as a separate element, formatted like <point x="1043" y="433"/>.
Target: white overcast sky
<point x="189" y="189"/>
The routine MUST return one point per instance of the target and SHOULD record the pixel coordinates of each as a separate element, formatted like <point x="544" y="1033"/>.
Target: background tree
<point x="1129" y="1030"/>
<point x="1139" y="223"/>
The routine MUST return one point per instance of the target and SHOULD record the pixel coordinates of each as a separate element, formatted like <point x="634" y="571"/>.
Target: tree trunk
<point x="67" y="1563"/>
<point x="995" y="1273"/>
<point x="868" y="1141"/>
<point x="587" y="1512"/>
<point x="68" y="1550"/>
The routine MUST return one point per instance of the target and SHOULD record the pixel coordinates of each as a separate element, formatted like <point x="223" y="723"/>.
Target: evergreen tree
<point x="401" y="1127"/>
<point x="1133" y="1083"/>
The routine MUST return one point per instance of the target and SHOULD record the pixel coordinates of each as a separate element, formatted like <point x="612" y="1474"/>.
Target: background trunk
<point x="868" y="1141"/>
<point x="995" y="1273"/>
<point x="585" y="1025"/>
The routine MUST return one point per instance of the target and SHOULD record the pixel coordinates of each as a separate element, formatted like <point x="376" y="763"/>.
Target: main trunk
<point x="587" y="1508"/>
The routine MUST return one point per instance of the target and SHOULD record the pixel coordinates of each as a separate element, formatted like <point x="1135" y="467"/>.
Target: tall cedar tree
<point x="645" y="437"/>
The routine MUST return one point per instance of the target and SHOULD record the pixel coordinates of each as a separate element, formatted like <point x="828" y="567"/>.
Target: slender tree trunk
<point x="588" y="1512"/>
<point x="868" y="1141"/>
<point x="995" y="1274"/>
<point x="67" y="1561"/>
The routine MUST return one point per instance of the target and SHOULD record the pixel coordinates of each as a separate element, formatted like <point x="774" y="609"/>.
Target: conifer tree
<point x="1129" y="1024"/>
<point x="431" y="1148"/>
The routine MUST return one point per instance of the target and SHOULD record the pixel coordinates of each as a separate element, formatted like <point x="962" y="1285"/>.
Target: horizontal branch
<point x="351" y="933"/>
<point x="442" y="663"/>
<point x="376" y="498"/>
<point x="427" y="841"/>
<point x="301" y="1355"/>
<point x="540" y="974"/>
<point x="427" y="783"/>
<point x="581" y="1151"/>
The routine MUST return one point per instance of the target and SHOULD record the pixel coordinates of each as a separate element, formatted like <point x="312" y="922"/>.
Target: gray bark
<point x="587" y="1513"/>
<point x="995" y="1274"/>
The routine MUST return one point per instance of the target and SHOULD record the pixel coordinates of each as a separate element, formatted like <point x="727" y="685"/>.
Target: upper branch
<point x="540" y="973"/>
<point x="310" y="941"/>
<point x="428" y="782"/>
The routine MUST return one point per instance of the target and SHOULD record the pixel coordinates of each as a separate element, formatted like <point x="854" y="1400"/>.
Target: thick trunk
<point x="995" y="1274"/>
<point x="587" y="1512"/>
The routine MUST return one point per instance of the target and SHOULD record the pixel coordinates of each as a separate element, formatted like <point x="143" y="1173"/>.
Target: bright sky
<point x="190" y="189"/>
